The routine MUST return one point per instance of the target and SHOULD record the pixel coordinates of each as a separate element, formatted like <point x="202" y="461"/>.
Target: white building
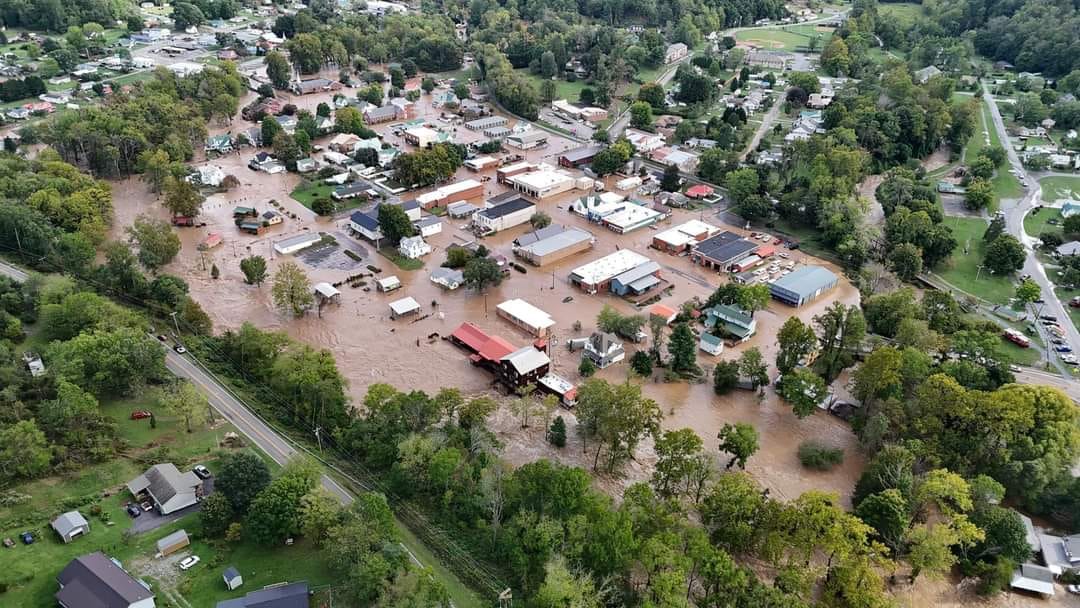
<point x="643" y="141"/>
<point x="597" y="274"/>
<point x="543" y="183"/>
<point x="630" y="217"/>
<point x="526" y="317"/>
<point x="413" y="247"/>
<point x="421" y="137"/>
<point x="505" y="215"/>
<point x="296" y="243"/>
<point x="675" y="52"/>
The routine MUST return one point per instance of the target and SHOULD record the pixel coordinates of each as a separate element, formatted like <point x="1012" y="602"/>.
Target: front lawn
<point x="308" y="192"/>
<point x="570" y="91"/>
<point x="1059" y="187"/>
<point x="401" y="261"/>
<point x="1037" y="221"/>
<point x="962" y="270"/>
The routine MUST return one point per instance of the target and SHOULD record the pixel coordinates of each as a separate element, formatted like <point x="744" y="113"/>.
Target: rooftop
<point x="507" y="208"/>
<point x="725" y="246"/>
<point x="685" y="233"/>
<point x="96" y="580"/>
<point x="609" y="266"/>
<point x="567" y="237"/>
<point x="526" y="313"/>
<point x="540" y="180"/>
<point x="806" y="280"/>
<point x="526" y="359"/>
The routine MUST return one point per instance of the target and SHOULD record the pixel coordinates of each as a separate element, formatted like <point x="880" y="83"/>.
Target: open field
<point x="1006" y="185"/>
<point x="901" y="12"/>
<point x="569" y="91"/>
<point x="787" y="38"/>
<point x="1060" y="187"/>
<point x="1038" y="221"/>
<point x="962" y="269"/>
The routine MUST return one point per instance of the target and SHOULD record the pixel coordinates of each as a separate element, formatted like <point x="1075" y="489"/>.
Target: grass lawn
<point x="1005" y="184"/>
<point x="786" y="38"/>
<point x="569" y="91"/>
<point x="401" y="261"/>
<point x="132" y="78"/>
<point x="1057" y="187"/>
<point x="1020" y="356"/>
<point x="307" y="192"/>
<point x="1037" y="221"/>
<point x="1065" y="295"/>
<point x="962" y="269"/>
<point x="978" y="138"/>
<point x="902" y="12"/>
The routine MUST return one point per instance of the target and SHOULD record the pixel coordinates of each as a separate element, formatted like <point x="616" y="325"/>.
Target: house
<point x="676" y="52"/>
<point x="698" y="191"/>
<point x="375" y="115"/>
<point x="924" y="75"/>
<point x="449" y="98"/>
<point x="413" y="247"/>
<point x="404" y="306"/>
<point x="560" y="387"/>
<point x="345" y="192"/>
<point x="296" y="243"/>
<point x="687" y="162"/>
<point x="366" y="224"/>
<point x="820" y="100"/>
<point x="803" y="285"/>
<point x="598" y="274"/>
<point x="428" y="226"/>
<point x="523" y="366"/>
<point x="578" y="157"/>
<point x="671" y="199"/>
<point x="711" y="344"/>
<point x="447" y="278"/>
<point x="292" y="595"/>
<point x="471" y="110"/>
<point x="167" y="488"/>
<point x="1033" y="578"/>
<point x="344" y="143"/>
<point x="287" y="123"/>
<point x="227" y="55"/>
<point x="543" y="183"/>
<point x="504" y="215"/>
<point x="272" y="218"/>
<point x="171" y="543"/>
<point x="637" y="280"/>
<point x="604" y="349"/>
<point x="266" y="163"/>
<point x="551" y="244"/>
<point x="314" y="85"/>
<point x="1069" y="208"/>
<point x="70" y="526"/>
<point x="442" y="196"/>
<point x="232" y="578"/>
<point x="681" y="238"/>
<point x="307" y="165"/>
<point x="1070" y="248"/>
<point x="644" y="142"/>
<point x="663" y="311"/>
<point x="721" y="250"/>
<point x="219" y="144"/>
<point x="422" y="137"/>
<point x="729" y="321"/>
<point x="1061" y="554"/>
<point x="98" y="581"/>
<point x="527" y="140"/>
<point x="527" y="317"/>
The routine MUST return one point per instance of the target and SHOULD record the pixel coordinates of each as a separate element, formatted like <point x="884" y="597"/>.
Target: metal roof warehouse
<point x="721" y="250"/>
<point x="598" y="273"/>
<point x="803" y="285"/>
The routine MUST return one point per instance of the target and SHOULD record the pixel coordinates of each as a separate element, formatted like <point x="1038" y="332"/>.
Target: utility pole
<point x="175" y="324"/>
<point x="318" y="437"/>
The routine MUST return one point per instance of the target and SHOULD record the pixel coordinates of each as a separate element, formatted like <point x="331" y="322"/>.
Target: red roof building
<point x="765" y="251"/>
<point x="495" y="349"/>
<point x="470" y="336"/>
<point x="699" y="191"/>
<point x="485" y="348"/>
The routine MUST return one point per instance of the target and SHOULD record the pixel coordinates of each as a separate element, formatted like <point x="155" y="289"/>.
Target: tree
<point x="319" y="511"/>
<point x="306" y="53"/>
<point x="215" y="514"/>
<point x="841" y="329"/>
<point x="740" y="440"/>
<point x="642" y="363"/>
<point x="796" y="340"/>
<point x="641" y="115"/>
<point x="803" y="389"/>
<point x="682" y="467"/>
<point x="906" y="261"/>
<point x="1004" y="255"/>
<point x="618" y="417"/>
<point x="481" y="272"/>
<point x="183" y="400"/>
<point x="108" y="361"/>
<point x="182" y="198"/>
<point x="275" y="513"/>
<point x="835" y="58"/>
<point x="672" y="179"/>
<point x="241" y="477"/>
<point x="394" y="223"/>
<point x="735" y="513"/>
<point x="752" y="367"/>
<point x="557" y="432"/>
<point x="157" y="242"/>
<point x="744" y="188"/>
<point x="625" y="326"/>
<point x="887" y="513"/>
<point x="254" y="269"/>
<point x="653" y="94"/>
<point x="1027" y="291"/>
<point x="540" y="220"/>
<point x="278" y="69"/>
<point x="725" y="377"/>
<point x="565" y="589"/>
<point x="292" y="289"/>
<point x="683" y="350"/>
<point x="187" y="15"/>
<point x="24" y="451"/>
<point x="979" y="195"/>
<point x="586" y="368"/>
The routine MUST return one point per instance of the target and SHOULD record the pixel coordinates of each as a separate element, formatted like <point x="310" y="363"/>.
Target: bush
<point x="816" y="455"/>
<point x="587" y="367"/>
<point x="642" y="363"/>
<point x="557" y="433"/>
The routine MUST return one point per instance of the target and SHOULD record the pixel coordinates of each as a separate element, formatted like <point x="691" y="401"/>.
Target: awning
<point x="644" y="283"/>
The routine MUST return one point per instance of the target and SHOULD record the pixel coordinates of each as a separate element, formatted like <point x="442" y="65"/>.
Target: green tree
<point x="278" y="69"/>
<point x="557" y="432"/>
<point x="540" y="220"/>
<point x="565" y="589"/>
<point x="617" y="417"/>
<point x="275" y="513"/>
<point x="672" y="180"/>
<point x="979" y="195"/>
<point x="842" y="328"/>
<point x="215" y="514"/>
<point x="906" y="261"/>
<point x="242" y="475"/>
<point x="642" y="363"/>
<point x="24" y="451"/>
<point x="480" y="272"/>
<point x="1004" y="255"/>
<point x="269" y="129"/>
<point x="725" y="377"/>
<point x="887" y="513"/>
<point x="254" y="269"/>
<point x="682" y="466"/>
<point x="182" y="198"/>
<point x="183" y="400"/>
<point x="683" y="350"/>
<point x="587" y="367"/>
<point x="157" y="242"/>
<point x="306" y="53"/>
<point x="292" y="289"/>
<point x="1027" y="291"/>
<point x="108" y="362"/>
<point x="752" y="367"/>
<point x="740" y="440"/>
<point x="796" y="340"/>
<point x="319" y="511"/>
<point x="803" y="389"/>
<point x="744" y="189"/>
<point x="653" y="94"/>
<point x="394" y="223"/>
<point x="641" y="115"/>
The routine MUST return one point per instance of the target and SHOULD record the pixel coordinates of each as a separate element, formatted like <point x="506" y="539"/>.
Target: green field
<point x="962" y="269"/>
<point x="786" y="38"/>
<point x="1037" y="221"/>
<point x="569" y="91"/>
<point x="1006" y="185"/>
<point x="1059" y="187"/>
<point x="901" y="12"/>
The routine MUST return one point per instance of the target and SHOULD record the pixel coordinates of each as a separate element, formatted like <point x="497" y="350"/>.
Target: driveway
<point x="152" y="520"/>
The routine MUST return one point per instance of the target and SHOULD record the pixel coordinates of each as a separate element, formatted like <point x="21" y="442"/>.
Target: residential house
<point x="314" y="85"/>
<point x="167" y="488"/>
<point x="98" y="581"/>
<point x="711" y="344"/>
<point x="219" y="144"/>
<point x="447" y="278"/>
<point x="729" y="321"/>
<point x="687" y="162"/>
<point x="366" y="224"/>
<point x="427" y="226"/>
<point x="291" y="595"/>
<point x="413" y="247"/>
<point x="266" y="163"/>
<point x="604" y="349"/>
<point x="676" y="52"/>
<point x="643" y="141"/>
<point x="344" y="143"/>
<point x="523" y="366"/>
<point x="307" y="165"/>
<point x="287" y="123"/>
<point x="924" y="75"/>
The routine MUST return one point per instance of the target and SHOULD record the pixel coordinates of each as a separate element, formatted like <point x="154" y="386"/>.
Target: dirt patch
<point x="868" y="190"/>
<point x="937" y="159"/>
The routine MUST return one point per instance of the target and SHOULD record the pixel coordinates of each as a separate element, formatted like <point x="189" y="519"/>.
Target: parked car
<point x="146" y="505"/>
<point x="1074" y="589"/>
<point x="1057" y="341"/>
<point x="188" y="562"/>
<point x="202" y="472"/>
<point x="163" y="338"/>
<point x="1068" y="359"/>
<point x="179" y="348"/>
<point x="133" y="510"/>
<point x="27" y="538"/>
<point x="140" y="414"/>
<point x="1075" y="302"/>
<point x="1064" y="348"/>
<point x="1048" y="318"/>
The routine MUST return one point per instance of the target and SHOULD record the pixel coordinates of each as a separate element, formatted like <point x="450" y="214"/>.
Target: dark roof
<point x="231" y="572"/>
<point x="95" y="581"/>
<point x="581" y="154"/>
<point x="499" y="199"/>
<point x="365" y="220"/>
<point x="507" y="208"/>
<point x="408" y="205"/>
<point x="293" y="595"/>
<point x="350" y="188"/>
<point x="725" y="247"/>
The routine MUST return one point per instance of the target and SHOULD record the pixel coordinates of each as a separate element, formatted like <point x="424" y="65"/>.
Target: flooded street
<point x="370" y="347"/>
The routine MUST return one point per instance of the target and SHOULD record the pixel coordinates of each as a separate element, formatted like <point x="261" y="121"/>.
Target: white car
<point x="188" y="562"/>
<point x="785" y="255"/>
<point x="1073" y="589"/>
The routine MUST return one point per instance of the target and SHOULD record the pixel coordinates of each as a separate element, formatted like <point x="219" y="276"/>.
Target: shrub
<point x="587" y="367"/>
<point x="816" y="455"/>
<point x="557" y="432"/>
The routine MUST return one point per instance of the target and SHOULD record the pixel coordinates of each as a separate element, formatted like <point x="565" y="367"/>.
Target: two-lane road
<point x="13" y="273"/>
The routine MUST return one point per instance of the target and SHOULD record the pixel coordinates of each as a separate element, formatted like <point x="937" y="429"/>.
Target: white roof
<point x="517" y="166"/>
<point x="685" y="232"/>
<point x="423" y="133"/>
<point x="609" y="266"/>
<point x="1031" y="577"/>
<point x="404" y="306"/>
<point x="447" y="191"/>
<point x="557" y="383"/>
<point x="541" y="180"/>
<point x="527" y="359"/>
<point x="326" y="290"/>
<point x="526" y="313"/>
<point x="630" y="214"/>
<point x="388" y="282"/>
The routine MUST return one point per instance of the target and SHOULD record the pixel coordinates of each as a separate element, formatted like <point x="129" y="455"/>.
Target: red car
<point x="778" y="241"/>
<point x="140" y="414"/>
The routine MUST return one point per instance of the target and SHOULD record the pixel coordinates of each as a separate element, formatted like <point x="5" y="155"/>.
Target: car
<point x="1014" y="368"/>
<point x="1040" y="301"/>
<point x="777" y="241"/>
<point x="1058" y="341"/>
<point x="163" y="337"/>
<point x="133" y="510"/>
<point x="785" y="255"/>
<point x="1048" y="318"/>
<point x="793" y="246"/>
<point x="179" y="348"/>
<point x="1074" y="589"/>
<point x="140" y="414"/>
<point x="202" y="472"/>
<point x="1048" y="323"/>
<point x="188" y="562"/>
<point x="1069" y="360"/>
<point x="1075" y="302"/>
<point x="1063" y="348"/>
<point x="27" y="538"/>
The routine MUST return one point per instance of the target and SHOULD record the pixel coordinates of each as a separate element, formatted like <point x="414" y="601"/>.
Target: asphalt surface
<point x="13" y="273"/>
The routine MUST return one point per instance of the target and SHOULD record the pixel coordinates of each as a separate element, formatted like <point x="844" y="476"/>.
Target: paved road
<point x="13" y="273"/>
<point x="252" y="426"/>
<point x="623" y="120"/>
<point x="763" y="128"/>
<point x="1014" y="211"/>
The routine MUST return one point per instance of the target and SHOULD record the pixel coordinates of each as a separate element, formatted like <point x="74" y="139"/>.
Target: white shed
<point x="389" y="283"/>
<point x="404" y="306"/>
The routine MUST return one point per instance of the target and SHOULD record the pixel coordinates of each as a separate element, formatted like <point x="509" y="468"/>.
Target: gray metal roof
<point x="171" y="539"/>
<point x="67" y="522"/>
<point x="538" y="235"/>
<point x="292" y="595"/>
<point x="637" y="273"/>
<point x="558" y="241"/>
<point x="95" y="581"/>
<point x="806" y="281"/>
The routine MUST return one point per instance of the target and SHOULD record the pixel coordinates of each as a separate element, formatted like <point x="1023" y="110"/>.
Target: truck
<point x="1016" y="338"/>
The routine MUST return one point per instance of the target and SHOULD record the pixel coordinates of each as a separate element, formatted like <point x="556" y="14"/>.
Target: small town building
<point x="307" y="165"/>
<point x="598" y="274"/>
<point x="428" y="225"/>
<point x="325" y="292"/>
<point x="460" y="191"/>
<point x="595" y="207"/>
<point x="699" y="191"/>
<point x="643" y="141"/>
<point x="167" y="488"/>
<point x="266" y="163"/>
<point x="604" y="349"/>
<point x="208" y="175"/>
<point x="272" y="218"/>
<point x="404" y="306"/>
<point x="523" y="366"/>
<point x="746" y="263"/>
<point x="488" y="122"/>
<point x="637" y="280"/>
<point x="447" y="278"/>
<point x="366" y="224"/>
<point x="681" y="238"/>
<point x="687" y="162"/>
<point x="388" y="284"/>
<point x="527" y="317"/>
<point x="721" y="250"/>
<point x="296" y="243"/>
<point x="542" y="183"/>
<point x="291" y="595"/>
<point x="711" y="344"/>
<point x="314" y="85"/>
<point x="232" y="578"/>
<point x="1033" y="578"/>
<point x="1061" y="554"/>
<point x="560" y="387"/>
<point x="527" y="140"/>
<point x="504" y="215"/>
<point x="344" y="143"/>
<point x="70" y="526"/>
<point x="375" y="115"/>
<point x="579" y="157"/>
<point x="96" y="580"/>
<point x="729" y="321"/>
<point x="219" y="144"/>
<point x="551" y="244"/>
<point x="461" y="209"/>
<point x="346" y="191"/>
<point x="421" y="137"/>
<point x="172" y="543"/>
<point x="631" y="216"/>
<point x="924" y="75"/>
<point x="803" y="285"/>
<point x="676" y="52"/>
<point x="504" y="173"/>
<point x="413" y="247"/>
<point x="480" y="163"/>
<point x="663" y="311"/>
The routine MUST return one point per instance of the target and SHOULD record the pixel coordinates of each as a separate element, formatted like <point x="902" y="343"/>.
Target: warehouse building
<point x="682" y="237"/>
<point x="542" y="184"/>
<point x="598" y="274"/>
<point x="803" y="285"/>
<point x="578" y="157"/>
<point x="504" y="173"/>
<point x="722" y="250"/>
<point x="504" y="215"/>
<point x="481" y="163"/>
<point x="451" y="193"/>
<point x="637" y="280"/>
<point x="489" y="122"/>
<point x="533" y="138"/>
<point x="421" y="137"/>
<point x="630" y="217"/>
<point x="551" y="244"/>
<point x="527" y="317"/>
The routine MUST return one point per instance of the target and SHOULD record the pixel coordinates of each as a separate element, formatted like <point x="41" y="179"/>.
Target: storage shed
<point x="173" y="543"/>
<point x="71" y="525"/>
<point x="404" y="306"/>
<point x="232" y="578"/>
